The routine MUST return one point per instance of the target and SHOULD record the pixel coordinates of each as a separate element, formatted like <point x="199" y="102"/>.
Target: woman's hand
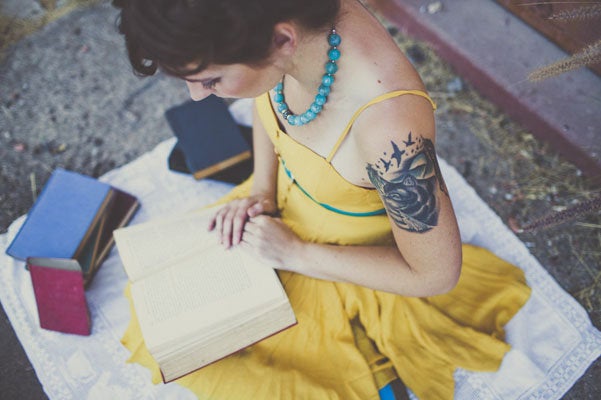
<point x="273" y="241"/>
<point x="229" y="221"/>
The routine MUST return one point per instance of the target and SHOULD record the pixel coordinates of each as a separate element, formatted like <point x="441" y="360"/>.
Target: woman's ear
<point x="285" y="38"/>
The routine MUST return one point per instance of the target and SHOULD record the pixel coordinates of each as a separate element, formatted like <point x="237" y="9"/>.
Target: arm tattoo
<point x="407" y="181"/>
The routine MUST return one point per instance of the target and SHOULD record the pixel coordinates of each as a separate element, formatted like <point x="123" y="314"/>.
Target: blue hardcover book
<point x="210" y="141"/>
<point x="73" y="218"/>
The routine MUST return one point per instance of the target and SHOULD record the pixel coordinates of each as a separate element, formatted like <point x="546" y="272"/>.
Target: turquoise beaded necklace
<point x="322" y="91"/>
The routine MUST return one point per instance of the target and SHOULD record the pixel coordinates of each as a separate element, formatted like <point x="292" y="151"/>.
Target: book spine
<point x="97" y="219"/>
<point x="203" y="173"/>
<point x="105" y="248"/>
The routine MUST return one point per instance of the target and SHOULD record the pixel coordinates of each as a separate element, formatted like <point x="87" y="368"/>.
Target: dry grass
<point x="581" y="13"/>
<point x="588" y="56"/>
<point x="13" y="29"/>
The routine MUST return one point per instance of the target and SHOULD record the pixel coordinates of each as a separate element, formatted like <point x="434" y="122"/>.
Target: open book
<point x="196" y="301"/>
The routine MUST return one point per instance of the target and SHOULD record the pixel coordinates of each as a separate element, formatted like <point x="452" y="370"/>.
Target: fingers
<point x="226" y="230"/>
<point x="216" y="221"/>
<point x="229" y="222"/>
<point x="263" y="207"/>
<point x="233" y="222"/>
<point x="265" y="237"/>
<point x="238" y="221"/>
<point x="213" y="221"/>
<point x="255" y="210"/>
<point x="259" y="231"/>
<point x="254" y="239"/>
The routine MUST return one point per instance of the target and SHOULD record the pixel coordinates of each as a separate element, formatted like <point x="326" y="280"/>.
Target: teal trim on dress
<point x="386" y="393"/>
<point x="327" y="206"/>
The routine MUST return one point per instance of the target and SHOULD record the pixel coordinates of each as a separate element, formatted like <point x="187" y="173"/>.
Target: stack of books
<point x="66" y="236"/>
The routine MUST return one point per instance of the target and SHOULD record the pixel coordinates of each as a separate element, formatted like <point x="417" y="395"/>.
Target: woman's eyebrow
<point x="203" y="80"/>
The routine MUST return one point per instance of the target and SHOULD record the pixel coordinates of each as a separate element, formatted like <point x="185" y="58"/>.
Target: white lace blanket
<point x="553" y="341"/>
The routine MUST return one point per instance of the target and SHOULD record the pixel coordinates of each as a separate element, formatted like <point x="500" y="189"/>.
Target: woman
<point x="347" y="201"/>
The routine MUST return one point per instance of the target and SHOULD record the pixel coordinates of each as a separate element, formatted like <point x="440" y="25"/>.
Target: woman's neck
<point x="307" y="67"/>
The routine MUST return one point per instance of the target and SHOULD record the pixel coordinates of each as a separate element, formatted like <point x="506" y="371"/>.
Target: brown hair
<point x="174" y="34"/>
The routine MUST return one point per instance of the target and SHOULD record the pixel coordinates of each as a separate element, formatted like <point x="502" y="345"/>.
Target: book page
<point x="152" y="246"/>
<point x="196" y="282"/>
<point x="201" y="292"/>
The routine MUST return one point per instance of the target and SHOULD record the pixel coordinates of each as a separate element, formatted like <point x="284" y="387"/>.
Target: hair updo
<point x="183" y="37"/>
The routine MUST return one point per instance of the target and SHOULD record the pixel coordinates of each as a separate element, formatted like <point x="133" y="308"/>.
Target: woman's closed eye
<point x="211" y="84"/>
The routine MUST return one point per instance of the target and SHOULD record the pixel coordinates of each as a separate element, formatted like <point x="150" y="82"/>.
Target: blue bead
<point x="310" y="115"/>
<point x="334" y="39"/>
<point x="320" y="100"/>
<point x="282" y="107"/>
<point x="327" y="80"/>
<point x="279" y="87"/>
<point x="331" y="67"/>
<point x="334" y="54"/>
<point x="291" y="119"/>
<point x="278" y="97"/>
<point x="323" y="90"/>
<point x="316" y="108"/>
<point x="303" y="119"/>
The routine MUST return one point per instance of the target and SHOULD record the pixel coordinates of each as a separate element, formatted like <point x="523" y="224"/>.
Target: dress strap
<point x="267" y="114"/>
<point x="376" y="100"/>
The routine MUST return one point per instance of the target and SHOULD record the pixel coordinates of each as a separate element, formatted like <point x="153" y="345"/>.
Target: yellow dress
<point x="349" y="340"/>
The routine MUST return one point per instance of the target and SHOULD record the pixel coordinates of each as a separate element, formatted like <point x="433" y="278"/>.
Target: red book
<point x="59" y="295"/>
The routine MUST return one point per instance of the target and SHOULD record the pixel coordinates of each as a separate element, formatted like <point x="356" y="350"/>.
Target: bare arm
<point x="265" y="161"/>
<point x="376" y="267"/>
<point x="230" y="220"/>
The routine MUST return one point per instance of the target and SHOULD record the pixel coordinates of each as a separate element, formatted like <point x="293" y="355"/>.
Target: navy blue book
<point x="209" y="142"/>
<point x="73" y="219"/>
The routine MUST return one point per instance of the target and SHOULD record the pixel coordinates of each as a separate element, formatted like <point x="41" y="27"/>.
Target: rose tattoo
<point x="407" y="181"/>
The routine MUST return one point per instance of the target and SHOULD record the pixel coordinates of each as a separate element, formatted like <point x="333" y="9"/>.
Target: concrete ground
<point x="68" y="98"/>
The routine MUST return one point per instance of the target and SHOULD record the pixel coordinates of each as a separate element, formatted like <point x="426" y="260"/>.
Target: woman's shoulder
<point x="375" y="66"/>
<point x="372" y="63"/>
<point x="391" y="104"/>
<point x="387" y="92"/>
